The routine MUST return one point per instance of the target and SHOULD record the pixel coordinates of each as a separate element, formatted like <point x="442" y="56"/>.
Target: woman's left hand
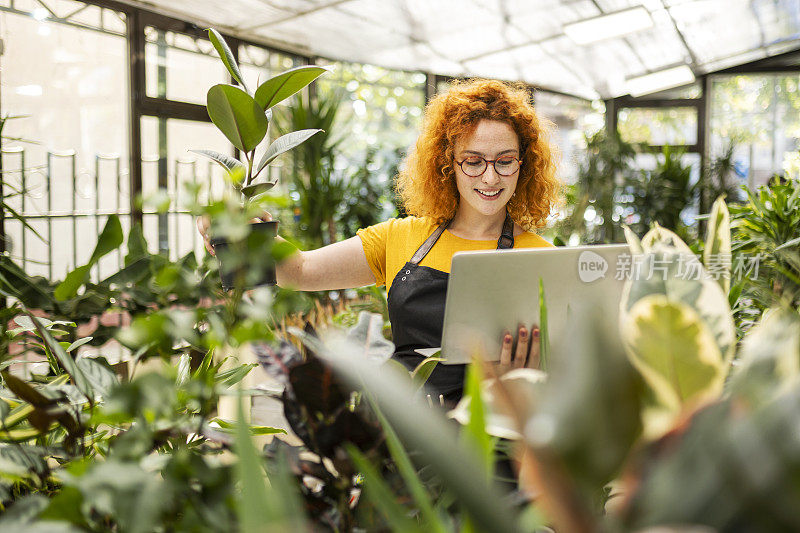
<point x="524" y="355"/>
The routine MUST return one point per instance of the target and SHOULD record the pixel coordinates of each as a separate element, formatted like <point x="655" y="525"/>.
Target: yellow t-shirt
<point x="390" y="245"/>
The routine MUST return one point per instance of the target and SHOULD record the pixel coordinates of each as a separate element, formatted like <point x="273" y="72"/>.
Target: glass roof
<point x="511" y="39"/>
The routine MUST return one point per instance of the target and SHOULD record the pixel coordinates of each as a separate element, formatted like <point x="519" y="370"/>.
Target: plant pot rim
<point x="215" y="241"/>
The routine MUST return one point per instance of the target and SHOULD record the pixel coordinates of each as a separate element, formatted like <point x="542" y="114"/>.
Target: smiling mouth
<point x="489" y="194"/>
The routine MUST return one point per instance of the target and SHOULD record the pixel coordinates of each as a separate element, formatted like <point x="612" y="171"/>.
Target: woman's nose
<point x="490" y="175"/>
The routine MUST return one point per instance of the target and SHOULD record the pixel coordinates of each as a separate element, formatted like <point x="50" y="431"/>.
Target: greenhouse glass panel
<point x="760" y="116"/>
<point x="166" y="158"/>
<point x="69" y="78"/>
<point x="179" y="67"/>
<point x="573" y="119"/>
<point x="659" y="126"/>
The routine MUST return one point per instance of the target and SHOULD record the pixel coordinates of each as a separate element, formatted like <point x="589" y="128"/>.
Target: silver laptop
<point x="490" y="292"/>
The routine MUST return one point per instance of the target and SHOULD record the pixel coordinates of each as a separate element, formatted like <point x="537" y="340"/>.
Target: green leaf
<point x="109" y="240"/>
<point x="257" y="188"/>
<point x="226" y="426"/>
<point x="256" y="505"/>
<point x="183" y="369"/>
<point x="427" y="431"/>
<point x="475" y="430"/>
<point x="409" y="474"/>
<point x="237" y="116"/>
<point x="674" y="351"/>
<point x="78" y="343"/>
<point x="789" y="244"/>
<point x="17" y="415"/>
<point x="282" y="249"/>
<point x="234" y="375"/>
<point x="633" y="241"/>
<point x="718" y="243"/>
<point x="226" y="56"/>
<point x="66" y="506"/>
<point x="425" y="368"/>
<point x="72" y="282"/>
<point x="25" y="391"/>
<point x="18" y="435"/>
<point x="24" y="511"/>
<point x="283" y="144"/>
<point x="100" y="376"/>
<point x="284" y="85"/>
<point x="544" y="337"/>
<point x="381" y="496"/>
<point x="225" y="161"/>
<point x="77" y="375"/>
<point x="137" y="245"/>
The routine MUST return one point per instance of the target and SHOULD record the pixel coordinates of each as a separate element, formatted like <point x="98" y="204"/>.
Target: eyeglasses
<point x="475" y="165"/>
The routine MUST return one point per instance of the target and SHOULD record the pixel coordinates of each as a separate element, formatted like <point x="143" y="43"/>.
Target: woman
<point x="482" y="176"/>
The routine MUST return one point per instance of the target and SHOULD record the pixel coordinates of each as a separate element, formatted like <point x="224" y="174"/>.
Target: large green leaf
<point x="283" y="144"/>
<point x="263" y="505"/>
<point x="284" y="85"/>
<point x="226" y="56"/>
<point x="109" y="240"/>
<point x="409" y="474"/>
<point x="426" y="430"/>
<point x="769" y="360"/>
<point x="667" y="267"/>
<point x="237" y="116"/>
<point x="377" y="491"/>
<point x="672" y="348"/>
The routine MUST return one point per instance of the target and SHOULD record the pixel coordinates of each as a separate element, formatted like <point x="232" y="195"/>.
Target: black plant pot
<point x="235" y="264"/>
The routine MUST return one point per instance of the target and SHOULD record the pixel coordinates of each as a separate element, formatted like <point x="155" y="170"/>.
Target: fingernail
<point x="536" y="332"/>
<point x="523" y="333"/>
<point x="507" y="339"/>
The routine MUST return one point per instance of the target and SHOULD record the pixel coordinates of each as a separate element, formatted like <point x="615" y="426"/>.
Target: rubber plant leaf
<point x="237" y="116"/>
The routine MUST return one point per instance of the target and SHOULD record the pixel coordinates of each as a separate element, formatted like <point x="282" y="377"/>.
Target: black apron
<point x="416" y="310"/>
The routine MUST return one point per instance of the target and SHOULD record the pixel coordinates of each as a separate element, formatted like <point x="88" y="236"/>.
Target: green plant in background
<point x="719" y="176"/>
<point x="766" y="246"/>
<point x="366" y="194"/>
<point x="661" y="195"/>
<point x="319" y="186"/>
<point x="606" y="167"/>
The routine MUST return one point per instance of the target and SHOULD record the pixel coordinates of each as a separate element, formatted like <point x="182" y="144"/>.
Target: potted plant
<point x="243" y="116"/>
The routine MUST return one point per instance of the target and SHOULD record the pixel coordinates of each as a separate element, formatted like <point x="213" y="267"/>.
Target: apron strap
<point x="506" y="240"/>
<point x="423" y="250"/>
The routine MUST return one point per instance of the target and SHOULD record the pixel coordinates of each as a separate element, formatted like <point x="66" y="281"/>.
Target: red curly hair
<point x="427" y="183"/>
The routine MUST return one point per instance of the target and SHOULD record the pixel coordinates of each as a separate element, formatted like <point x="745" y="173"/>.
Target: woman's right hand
<point x="204" y="222"/>
<point x="526" y="353"/>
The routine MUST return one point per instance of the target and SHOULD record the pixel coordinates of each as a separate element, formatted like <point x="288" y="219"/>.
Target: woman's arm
<point x="342" y="265"/>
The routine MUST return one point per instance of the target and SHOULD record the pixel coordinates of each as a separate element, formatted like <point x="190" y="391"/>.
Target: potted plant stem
<point x="243" y="116"/>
